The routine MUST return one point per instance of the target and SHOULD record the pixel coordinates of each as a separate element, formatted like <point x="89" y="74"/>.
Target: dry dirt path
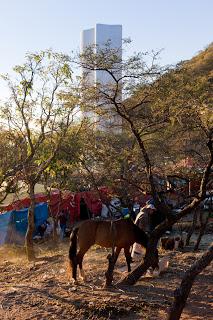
<point x="44" y="292"/>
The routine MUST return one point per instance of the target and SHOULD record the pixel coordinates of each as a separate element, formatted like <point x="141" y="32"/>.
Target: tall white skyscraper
<point x="98" y="37"/>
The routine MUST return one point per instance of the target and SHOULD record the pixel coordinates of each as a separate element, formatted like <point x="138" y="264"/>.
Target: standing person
<point x="62" y="218"/>
<point x="143" y="221"/>
<point x="104" y="211"/>
<point x="144" y="218"/>
<point x="41" y="229"/>
<point x="135" y="208"/>
<point x="49" y="229"/>
<point x="115" y="208"/>
<point x="84" y="211"/>
<point x="125" y="211"/>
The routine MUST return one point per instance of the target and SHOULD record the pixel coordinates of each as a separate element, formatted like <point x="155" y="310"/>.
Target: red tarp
<point x="67" y="200"/>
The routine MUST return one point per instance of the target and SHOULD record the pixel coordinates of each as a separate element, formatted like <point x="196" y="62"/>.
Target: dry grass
<point x="42" y="290"/>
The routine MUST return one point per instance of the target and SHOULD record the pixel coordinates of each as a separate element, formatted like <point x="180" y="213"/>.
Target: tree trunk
<point x="181" y="294"/>
<point x="31" y="225"/>
<point x="192" y="227"/>
<point x="149" y="260"/>
<point x="204" y="218"/>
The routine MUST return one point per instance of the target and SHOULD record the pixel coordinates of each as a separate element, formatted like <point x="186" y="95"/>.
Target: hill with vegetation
<point x="202" y="63"/>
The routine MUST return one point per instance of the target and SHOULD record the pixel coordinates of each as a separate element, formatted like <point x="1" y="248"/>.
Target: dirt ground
<point x="43" y="291"/>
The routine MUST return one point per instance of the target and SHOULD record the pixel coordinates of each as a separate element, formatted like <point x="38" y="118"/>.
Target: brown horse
<point x="118" y="234"/>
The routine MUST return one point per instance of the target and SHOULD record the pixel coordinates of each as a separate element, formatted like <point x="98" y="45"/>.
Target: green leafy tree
<point x="36" y="113"/>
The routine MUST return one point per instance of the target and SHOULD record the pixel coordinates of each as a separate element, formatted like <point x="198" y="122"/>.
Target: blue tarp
<point x="14" y="223"/>
<point x="20" y="217"/>
<point x="5" y="220"/>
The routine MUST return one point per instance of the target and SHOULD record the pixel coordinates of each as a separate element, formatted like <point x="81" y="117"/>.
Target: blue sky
<point x="181" y="27"/>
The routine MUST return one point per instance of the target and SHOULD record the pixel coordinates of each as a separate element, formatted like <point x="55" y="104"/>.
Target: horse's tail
<point x="73" y="251"/>
<point x="73" y="243"/>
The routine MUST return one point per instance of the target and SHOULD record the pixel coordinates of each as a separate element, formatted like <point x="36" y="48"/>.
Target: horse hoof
<point x="108" y="286"/>
<point x="73" y="281"/>
<point x="82" y="275"/>
<point x="84" y="279"/>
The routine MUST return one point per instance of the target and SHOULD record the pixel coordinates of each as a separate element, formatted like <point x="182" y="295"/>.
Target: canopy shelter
<point x="13" y="224"/>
